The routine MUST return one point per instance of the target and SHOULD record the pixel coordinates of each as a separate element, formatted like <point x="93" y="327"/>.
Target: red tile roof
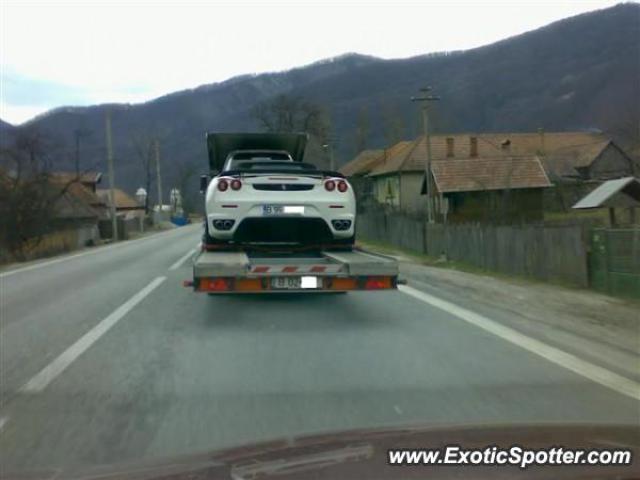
<point x="497" y="173"/>
<point x="573" y="148"/>
<point x="364" y="162"/>
<point x="123" y="200"/>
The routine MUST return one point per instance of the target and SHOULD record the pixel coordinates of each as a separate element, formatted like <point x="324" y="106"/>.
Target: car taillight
<point x="236" y="184"/>
<point x="342" y="186"/>
<point x="223" y="185"/>
<point x="330" y="185"/>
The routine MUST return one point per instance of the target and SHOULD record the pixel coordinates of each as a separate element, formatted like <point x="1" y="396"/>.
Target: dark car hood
<point x="220" y="145"/>
<point x="362" y="454"/>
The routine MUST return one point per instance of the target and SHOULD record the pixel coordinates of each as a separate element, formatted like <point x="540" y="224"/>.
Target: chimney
<point x="450" y="147"/>
<point x="473" y="146"/>
<point x="541" y="134"/>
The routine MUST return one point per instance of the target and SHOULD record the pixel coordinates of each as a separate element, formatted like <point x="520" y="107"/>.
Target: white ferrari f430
<point x="261" y="192"/>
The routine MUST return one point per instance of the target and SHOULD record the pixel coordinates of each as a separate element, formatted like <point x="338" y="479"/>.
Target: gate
<point x="614" y="261"/>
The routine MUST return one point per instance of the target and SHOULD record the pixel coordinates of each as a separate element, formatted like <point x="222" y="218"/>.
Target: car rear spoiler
<point x="220" y="145"/>
<point x="279" y="171"/>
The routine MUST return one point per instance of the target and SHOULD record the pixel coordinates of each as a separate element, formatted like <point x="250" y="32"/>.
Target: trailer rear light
<point x="248" y="284"/>
<point x="342" y="186"/>
<point x="214" y="285"/>
<point x="377" y="283"/>
<point x="236" y="184"/>
<point x="344" y="284"/>
<point x="223" y="185"/>
<point x="330" y="185"/>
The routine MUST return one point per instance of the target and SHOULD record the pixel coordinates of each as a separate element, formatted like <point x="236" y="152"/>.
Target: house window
<point x="473" y="146"/>
<point x="450" y="147"/>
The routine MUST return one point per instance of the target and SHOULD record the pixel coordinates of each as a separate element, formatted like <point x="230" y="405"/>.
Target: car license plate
<point x="286" y="283"/>
<point x="272" y="209"/>
<point x="268" y="210"/>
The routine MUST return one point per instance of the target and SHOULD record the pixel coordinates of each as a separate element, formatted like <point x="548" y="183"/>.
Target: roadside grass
<point x="430" y="261"/>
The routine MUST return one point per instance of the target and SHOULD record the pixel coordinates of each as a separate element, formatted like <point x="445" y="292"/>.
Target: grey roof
<point x="601" y="195"/>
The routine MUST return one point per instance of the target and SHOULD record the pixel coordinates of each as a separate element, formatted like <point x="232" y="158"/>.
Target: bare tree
<point x="28" y="193"/>
<point x="293" y="114"/>
<point x="626" y="129"/>
<point x="362" y="130"/>
<point x="394" y="126"/>
<point x="79" y="134"/>
<point x="185" y="172"/>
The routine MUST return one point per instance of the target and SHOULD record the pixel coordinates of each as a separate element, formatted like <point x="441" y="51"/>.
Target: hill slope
<point x="578" y="73"/>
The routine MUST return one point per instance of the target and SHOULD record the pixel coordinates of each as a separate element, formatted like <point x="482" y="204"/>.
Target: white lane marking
<point x="57" y="366"/>
<point x="3" y="422"/>
<point x="571" y="362"/>
<point x="182" y="259"/>
<point x="94" y="251"/>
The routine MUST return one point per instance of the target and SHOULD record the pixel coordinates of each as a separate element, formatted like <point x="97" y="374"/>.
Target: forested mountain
<point x="578" y="73"/>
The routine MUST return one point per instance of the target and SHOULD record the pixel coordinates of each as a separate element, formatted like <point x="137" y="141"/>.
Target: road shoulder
<point x="602" y="329"/>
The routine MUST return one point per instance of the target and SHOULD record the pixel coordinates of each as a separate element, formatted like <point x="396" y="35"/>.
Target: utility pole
<point x="157" y="152"/>
<point x="112" y="181"/>
<point x="424" y="99"/>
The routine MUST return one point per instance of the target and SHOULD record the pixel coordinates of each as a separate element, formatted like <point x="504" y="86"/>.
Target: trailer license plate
<point x="294" y="283"/>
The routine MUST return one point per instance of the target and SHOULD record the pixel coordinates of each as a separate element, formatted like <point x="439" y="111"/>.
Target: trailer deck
<point x="264" y="272"/>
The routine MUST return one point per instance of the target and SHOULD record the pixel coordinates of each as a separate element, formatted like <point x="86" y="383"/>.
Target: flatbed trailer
<point x="255" y="271"/>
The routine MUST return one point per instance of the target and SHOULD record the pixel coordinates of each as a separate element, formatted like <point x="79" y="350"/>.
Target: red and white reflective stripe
<point x="276" y="269"/>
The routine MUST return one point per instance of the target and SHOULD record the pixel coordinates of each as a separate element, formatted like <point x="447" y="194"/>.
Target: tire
<point x="347" y="242"/>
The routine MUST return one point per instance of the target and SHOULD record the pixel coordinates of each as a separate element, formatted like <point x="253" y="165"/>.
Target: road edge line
<point x="566" y="360"/>
<point x="49" y="373"/>
<point x="178" y="263"/>
<point x="92" y="251"/>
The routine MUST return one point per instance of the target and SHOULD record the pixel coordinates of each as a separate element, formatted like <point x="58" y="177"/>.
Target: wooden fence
<point x="545" y="253"/>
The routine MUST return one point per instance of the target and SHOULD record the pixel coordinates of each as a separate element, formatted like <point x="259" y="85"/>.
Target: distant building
<point x="126" y="206"/>
<point x="83" y="186"/>
<point x="488" y="177"/>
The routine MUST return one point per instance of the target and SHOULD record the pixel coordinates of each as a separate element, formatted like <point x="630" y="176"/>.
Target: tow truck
<point x="284" y="268"/>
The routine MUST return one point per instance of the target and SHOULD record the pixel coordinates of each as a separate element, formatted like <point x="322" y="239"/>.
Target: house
<point x="89" y="180"/>
<point x="129" y="213"/>
<point x="501" y="175"/>
<point x="73" y="222"/>
<point x="358" y="168"/>
<point x="84" y="187"/>
<point x="126" y="206"/>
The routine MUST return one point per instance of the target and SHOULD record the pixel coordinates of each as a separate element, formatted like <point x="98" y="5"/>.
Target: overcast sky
<point x="79" y="53"/>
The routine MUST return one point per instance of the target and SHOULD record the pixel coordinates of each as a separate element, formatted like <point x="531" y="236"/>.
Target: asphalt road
<point x="106" y="358"/>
